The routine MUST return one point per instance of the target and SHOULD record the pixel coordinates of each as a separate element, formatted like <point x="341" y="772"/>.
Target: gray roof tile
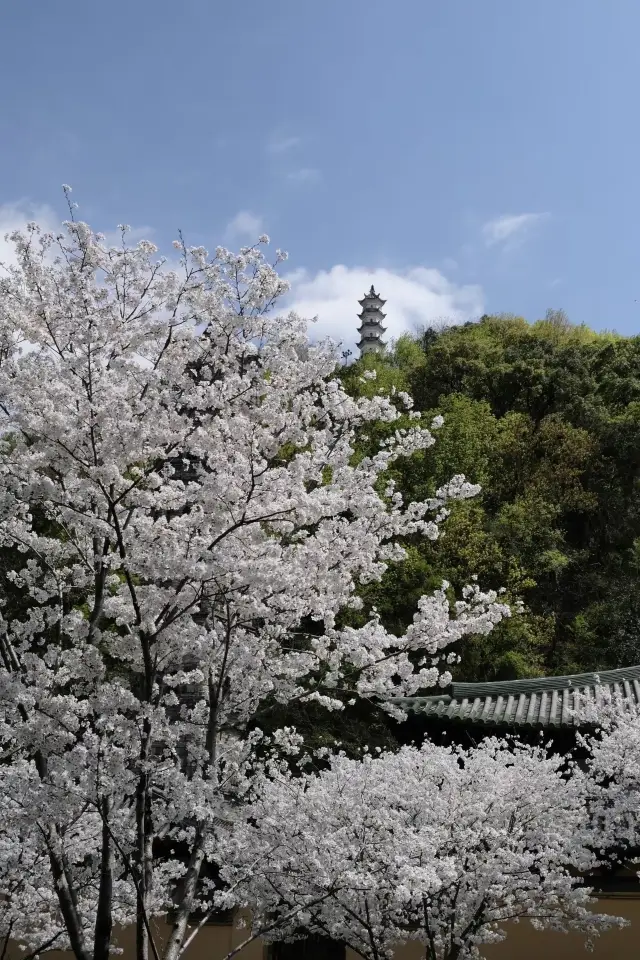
<point x="546" y="701"/>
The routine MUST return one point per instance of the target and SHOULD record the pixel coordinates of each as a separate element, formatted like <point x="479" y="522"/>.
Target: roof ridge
<point x="502" y="687"/>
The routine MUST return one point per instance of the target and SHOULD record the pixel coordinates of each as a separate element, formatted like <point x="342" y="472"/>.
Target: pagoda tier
<point x="370" y="337"/>
<point x="372" y="323"/>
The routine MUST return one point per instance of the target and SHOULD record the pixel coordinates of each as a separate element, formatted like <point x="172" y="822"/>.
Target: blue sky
<point x="464" y="155"/>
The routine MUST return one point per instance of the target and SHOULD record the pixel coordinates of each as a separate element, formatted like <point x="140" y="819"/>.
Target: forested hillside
<point x="546" y="417"/>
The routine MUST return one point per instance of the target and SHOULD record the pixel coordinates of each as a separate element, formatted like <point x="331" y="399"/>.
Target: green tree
<point x="546" y="417"/>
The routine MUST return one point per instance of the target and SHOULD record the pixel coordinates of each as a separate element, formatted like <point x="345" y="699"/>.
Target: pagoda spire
<point x="371" y="328"/>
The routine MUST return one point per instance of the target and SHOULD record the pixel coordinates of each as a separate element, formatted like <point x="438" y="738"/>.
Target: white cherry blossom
<point x="437" y="845"/>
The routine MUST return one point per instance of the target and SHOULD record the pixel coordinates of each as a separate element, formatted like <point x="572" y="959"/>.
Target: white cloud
<point x="280" y="144"/>
<point x="15" y="216"/>
<point x="304" y="175"/>
<point x="245" y="225"/>
<point x="415" y="297"/>
<point x="510" y="229"/>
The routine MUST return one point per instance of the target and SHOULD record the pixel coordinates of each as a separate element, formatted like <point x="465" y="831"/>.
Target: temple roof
<point x="546" y="701"/>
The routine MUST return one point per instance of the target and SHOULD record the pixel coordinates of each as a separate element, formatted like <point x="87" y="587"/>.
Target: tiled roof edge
<point x="544" y="702"/>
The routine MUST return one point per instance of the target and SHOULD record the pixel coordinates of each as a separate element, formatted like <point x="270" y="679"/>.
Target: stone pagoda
<point x="371" y="329"/>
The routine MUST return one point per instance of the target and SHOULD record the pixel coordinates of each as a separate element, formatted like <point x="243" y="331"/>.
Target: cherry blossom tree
<point x="178" y="476"/>
<point x="436" y="845"/>
<point x="612" y="745"/>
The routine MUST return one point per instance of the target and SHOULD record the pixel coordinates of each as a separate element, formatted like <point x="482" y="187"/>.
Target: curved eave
<point x="378" y="327"/>
<point x="372" y="298"/>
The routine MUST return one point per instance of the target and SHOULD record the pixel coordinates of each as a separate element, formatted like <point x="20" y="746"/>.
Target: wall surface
<point x="523" y="942"/>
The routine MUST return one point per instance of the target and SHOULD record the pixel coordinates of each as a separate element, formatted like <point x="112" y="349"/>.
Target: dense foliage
<point x="546" y="418"/>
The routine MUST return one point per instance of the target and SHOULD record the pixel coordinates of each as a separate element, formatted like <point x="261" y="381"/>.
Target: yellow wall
<point x="523" y="942"/>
